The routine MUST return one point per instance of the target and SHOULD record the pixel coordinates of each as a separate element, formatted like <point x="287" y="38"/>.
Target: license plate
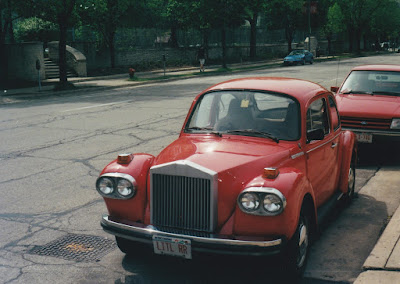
<point x="364" y="137"/>
<point x="172" y="246"/>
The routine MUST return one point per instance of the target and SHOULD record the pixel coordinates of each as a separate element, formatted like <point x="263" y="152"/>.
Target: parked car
<point x="369" y="102"/>
<point x="297" y="56"/>
<point x="257" y="164"/>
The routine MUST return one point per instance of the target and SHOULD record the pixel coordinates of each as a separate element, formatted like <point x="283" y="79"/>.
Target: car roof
<point x="377" y="67"/>
<point x="302" y="90"/>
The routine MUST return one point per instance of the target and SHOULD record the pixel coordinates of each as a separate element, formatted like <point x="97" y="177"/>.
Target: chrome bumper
<point x="216" y="244"/>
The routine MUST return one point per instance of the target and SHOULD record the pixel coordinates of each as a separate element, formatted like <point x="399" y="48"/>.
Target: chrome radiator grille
<point x="184" y="202"/>
<point x="181" y="202"/>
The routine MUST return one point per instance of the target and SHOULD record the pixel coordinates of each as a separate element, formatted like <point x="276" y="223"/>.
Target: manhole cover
<point x="76" y="247"/>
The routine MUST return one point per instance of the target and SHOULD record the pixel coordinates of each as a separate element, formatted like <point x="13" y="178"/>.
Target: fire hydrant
<point x="131" y="73"/>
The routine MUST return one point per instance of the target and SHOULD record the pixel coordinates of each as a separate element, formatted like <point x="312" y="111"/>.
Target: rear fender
<point x="348" y="151"/>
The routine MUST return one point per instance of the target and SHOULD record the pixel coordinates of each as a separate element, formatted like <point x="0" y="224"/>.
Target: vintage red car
<point x="256" y="166"/>
<point x="369" y="102"/>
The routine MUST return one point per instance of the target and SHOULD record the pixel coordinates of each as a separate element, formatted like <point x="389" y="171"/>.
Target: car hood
<point x="362" y="105"/>
<point x="236" y="160"/>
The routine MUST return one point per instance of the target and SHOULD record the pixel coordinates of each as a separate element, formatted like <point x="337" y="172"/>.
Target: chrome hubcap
<point x="303" y="244"/>
<point x="351" y="181"/>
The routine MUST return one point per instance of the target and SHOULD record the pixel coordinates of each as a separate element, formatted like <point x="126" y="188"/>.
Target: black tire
<point x="311" y="61"/>
<point x="298" y="247"/>
<point x="303" y="62"/>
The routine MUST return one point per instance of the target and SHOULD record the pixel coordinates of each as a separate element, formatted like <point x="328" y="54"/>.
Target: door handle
<point x="334" y="145"/>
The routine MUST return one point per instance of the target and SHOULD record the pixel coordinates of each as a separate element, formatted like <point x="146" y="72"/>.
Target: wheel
<point x="311" y="61"/>
<point x="298" y="247"/>
<point x="127" y="246"/>
<point x="303" y="62"/>
<point x="351" y="179"/>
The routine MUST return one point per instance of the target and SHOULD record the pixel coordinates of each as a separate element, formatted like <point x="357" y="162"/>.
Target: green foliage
<point x="36" y="29"/>
<point x="335" y="21"/>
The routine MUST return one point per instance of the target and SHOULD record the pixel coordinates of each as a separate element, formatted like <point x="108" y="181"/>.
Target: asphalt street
<point x="53" y="148"/>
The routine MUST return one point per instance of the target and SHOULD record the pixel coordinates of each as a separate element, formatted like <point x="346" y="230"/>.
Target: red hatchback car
<point x="369" y="102"/>
<point x="257" y="164"/>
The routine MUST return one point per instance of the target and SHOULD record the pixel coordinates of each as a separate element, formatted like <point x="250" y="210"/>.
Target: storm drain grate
<point x="81" y="248"/>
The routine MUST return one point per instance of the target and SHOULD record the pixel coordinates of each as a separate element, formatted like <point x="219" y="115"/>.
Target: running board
<point x="324" y="210"/>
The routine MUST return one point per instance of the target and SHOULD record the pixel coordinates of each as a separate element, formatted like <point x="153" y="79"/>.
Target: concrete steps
<point x="52" y="70"/>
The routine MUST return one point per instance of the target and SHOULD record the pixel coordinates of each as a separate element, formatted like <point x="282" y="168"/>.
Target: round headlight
<point x="124" y="187"/>
<point x="105" y="186"/>
<point x="395" y="123"/>
<point x="250" y="201"/>
<point x="272" y="203"/>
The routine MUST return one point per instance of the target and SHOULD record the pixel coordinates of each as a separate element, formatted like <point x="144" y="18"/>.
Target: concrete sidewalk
<point x="123" y="81"/>
<point x="383" y="263"/>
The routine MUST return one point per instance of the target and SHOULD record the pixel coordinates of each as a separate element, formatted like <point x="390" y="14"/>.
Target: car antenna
<point x="337" y="72"/>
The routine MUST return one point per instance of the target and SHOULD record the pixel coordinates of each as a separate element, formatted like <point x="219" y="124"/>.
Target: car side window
<point x="317" y="116"/>
<point x="334" y="113"/>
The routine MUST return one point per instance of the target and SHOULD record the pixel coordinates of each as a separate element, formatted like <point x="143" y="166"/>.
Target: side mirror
<point x="335" y="89"/>
<point x="315" y="134"/>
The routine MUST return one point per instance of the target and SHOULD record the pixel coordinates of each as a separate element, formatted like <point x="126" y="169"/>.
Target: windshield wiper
<point x="357" y="92"/>
<point x="256" y="132"/>
<point x="207" y="129"/>
<point x="386" y="93"/>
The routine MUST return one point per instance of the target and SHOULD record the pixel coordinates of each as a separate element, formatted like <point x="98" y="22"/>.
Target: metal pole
<point x="309" y="25"/>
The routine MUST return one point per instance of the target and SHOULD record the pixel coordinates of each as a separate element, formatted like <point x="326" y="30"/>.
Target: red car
<point x="369" y="102"/>
<point x="257" y="164"/>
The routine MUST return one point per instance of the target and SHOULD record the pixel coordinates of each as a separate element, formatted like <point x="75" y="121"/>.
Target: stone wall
<point x="21" y="61"/>
<point x="76" y="60"/>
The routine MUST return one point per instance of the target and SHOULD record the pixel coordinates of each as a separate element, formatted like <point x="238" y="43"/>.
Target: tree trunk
<point x="174" y="37"/>
<point x="350" y="40"/>
<point x="223" y="42"/>
<point x="62" y="22"/>
<point x="253" y="36"/>
<point x="111" y="48"/>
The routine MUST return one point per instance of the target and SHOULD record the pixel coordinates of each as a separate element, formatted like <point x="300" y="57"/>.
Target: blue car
<point x="297" y="56"/>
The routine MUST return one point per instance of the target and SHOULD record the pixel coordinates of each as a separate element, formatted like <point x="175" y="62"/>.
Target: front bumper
<point x="217" y="244"/>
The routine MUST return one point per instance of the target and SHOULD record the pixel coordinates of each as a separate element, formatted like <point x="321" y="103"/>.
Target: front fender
<point x="131" y="209"/>
<point x="294" y="185"/>
<point x="348" y="152"/>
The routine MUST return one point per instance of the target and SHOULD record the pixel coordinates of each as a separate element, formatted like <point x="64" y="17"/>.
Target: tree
<point x="334" y="24"/>
<point x="357" y="14"/>
<point x="252" y="10"/>
<point x="104" y="16"/>
<point x="287" y="15"/>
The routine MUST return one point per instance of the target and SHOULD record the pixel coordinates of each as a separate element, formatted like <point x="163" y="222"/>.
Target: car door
<point x="321" y="154"/>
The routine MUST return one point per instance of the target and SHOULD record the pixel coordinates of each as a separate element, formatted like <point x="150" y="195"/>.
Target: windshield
<point x="248" y="113"/>
<point x="296" y="52"/>
<point x="372" y="82"/>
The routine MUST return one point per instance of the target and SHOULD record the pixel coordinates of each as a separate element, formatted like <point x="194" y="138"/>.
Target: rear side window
<point x="317" y="116"/>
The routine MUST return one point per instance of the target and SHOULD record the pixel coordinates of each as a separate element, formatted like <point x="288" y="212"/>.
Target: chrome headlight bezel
<point x="395" y="124"/>
<point x="124" y="185"/>
<point x="268" y="197"/>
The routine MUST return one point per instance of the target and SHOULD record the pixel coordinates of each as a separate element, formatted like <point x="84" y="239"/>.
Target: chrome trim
<point x="294" y="156"/>
<point x="262" y="192"/>
<point x="144" y="234"/>
<point x="323" y="144"/>
<point x="334" y="145"/>
<point x="189" y="169"/>
<point x="374" y="131"/>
